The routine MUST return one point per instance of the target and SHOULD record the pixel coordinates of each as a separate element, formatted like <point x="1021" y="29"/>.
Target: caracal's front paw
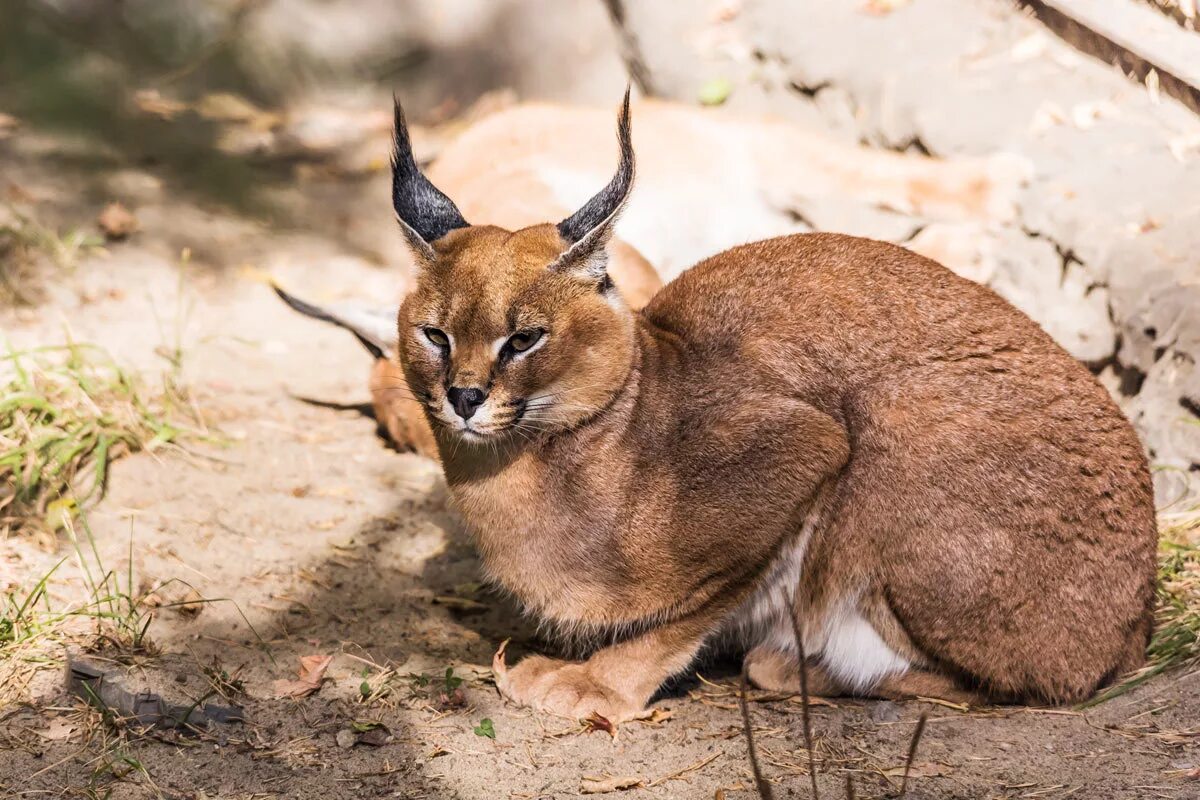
<point x="561" y="687"/>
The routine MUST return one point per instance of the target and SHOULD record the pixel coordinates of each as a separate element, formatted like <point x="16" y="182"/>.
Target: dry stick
<point x="850" y="787"/>
<point x="804" y="703"/>
<point x="764" y="788"/>
<point x="912" y="750"/>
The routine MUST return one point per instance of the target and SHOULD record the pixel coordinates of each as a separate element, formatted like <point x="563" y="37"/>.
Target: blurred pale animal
<point x="708" y="180"/>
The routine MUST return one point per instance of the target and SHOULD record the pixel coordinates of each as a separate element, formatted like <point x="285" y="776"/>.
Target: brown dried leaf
<point x="595" y="722"/>
<point x="150" y="101"/>
<point x="653" y="716"/>
<point x="190" y="605"/>
<point x="58" y="730"/>
<point x="594" y="784"/>
<point x="116" y="221"/>
<point x="312" y="674"/>
<point x="373" y="734"/>
<point x="448" y="699"/>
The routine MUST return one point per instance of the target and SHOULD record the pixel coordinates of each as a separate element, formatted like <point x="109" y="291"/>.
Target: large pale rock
<point x="1105" y="250"/>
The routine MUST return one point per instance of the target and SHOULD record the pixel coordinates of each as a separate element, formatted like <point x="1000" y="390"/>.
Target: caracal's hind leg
<point x="774" y="671"/>
<point x="921" y="683"/>
<point x="768" y="668"/>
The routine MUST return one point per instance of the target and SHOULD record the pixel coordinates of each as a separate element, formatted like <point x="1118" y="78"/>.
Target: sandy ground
<point x="329" y="543"/>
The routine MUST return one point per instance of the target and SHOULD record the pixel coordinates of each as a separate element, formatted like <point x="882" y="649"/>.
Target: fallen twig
<point x="912" y="751"/>
<point x="760" y="783"/>
<point x="798" y="632"/>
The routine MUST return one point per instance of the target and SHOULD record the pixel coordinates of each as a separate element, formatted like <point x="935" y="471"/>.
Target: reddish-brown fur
<point x="961" y="482"/>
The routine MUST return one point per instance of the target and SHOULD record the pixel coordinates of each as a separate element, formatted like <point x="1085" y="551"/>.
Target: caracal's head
<point x="509" y="335"/>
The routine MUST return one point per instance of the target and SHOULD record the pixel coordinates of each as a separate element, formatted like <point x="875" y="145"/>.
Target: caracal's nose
<point x="466" y="400"/>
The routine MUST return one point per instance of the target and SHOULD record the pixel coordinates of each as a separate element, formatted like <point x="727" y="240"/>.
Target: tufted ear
<point x="424" y="213"/>
<point x="588" y="230"/>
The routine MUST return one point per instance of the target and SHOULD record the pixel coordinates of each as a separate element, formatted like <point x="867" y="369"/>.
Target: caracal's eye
<point x="523" y="340"/>
<point x="437" y="337"/>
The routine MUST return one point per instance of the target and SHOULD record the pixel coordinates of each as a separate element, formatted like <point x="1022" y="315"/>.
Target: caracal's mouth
<point x="469" y="434"/>
<point x="484" y="427"/>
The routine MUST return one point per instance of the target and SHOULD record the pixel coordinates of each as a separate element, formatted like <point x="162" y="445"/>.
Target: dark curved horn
<point x="420" y="206"/>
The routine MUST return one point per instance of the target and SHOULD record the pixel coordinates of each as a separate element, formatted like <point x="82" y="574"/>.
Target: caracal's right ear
<point x="588" y="230"/>
<point x="424" y="213"/>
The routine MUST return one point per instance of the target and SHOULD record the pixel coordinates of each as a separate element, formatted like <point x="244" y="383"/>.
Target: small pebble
<point x="885" y="712"/>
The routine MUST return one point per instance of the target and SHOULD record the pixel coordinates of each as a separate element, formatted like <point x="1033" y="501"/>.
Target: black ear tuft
<point x="602" y="208"/>
<point x="419" y="204"/>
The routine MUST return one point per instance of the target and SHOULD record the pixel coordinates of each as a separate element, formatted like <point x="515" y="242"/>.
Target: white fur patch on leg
<point x="854" y="653"/>
<point x="842" y="640"/>
<point x="765" y="617"/>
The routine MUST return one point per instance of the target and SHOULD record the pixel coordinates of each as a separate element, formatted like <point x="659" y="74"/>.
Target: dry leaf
<point x="149" y="101"/>
<point x="58" y="730"/>
<point x="591" y="784"/>
<point x="191" y="605"/>
<point x="116" y="221"/>
<point x="312" y="673"/>
<point x="653" y="716"/>
<point x="373" y="734"/>
<point x="448" y="699"/>
<point x="595" y="722"/>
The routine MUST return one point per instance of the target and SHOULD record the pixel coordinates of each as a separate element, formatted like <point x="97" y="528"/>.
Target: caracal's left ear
<point x="424" y="213"/>
<point x="588" y="230"/>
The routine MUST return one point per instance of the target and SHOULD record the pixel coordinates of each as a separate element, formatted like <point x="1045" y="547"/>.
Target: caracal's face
<point x="496" y="345"/>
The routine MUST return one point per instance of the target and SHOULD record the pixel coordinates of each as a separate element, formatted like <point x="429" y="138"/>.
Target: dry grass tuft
<point x="113" y="618"/>
<point x="66" y="413"/>
<point x="1177" y="634"/>
<point x="1176" y="639"/>
<point x="25" y="244"/>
